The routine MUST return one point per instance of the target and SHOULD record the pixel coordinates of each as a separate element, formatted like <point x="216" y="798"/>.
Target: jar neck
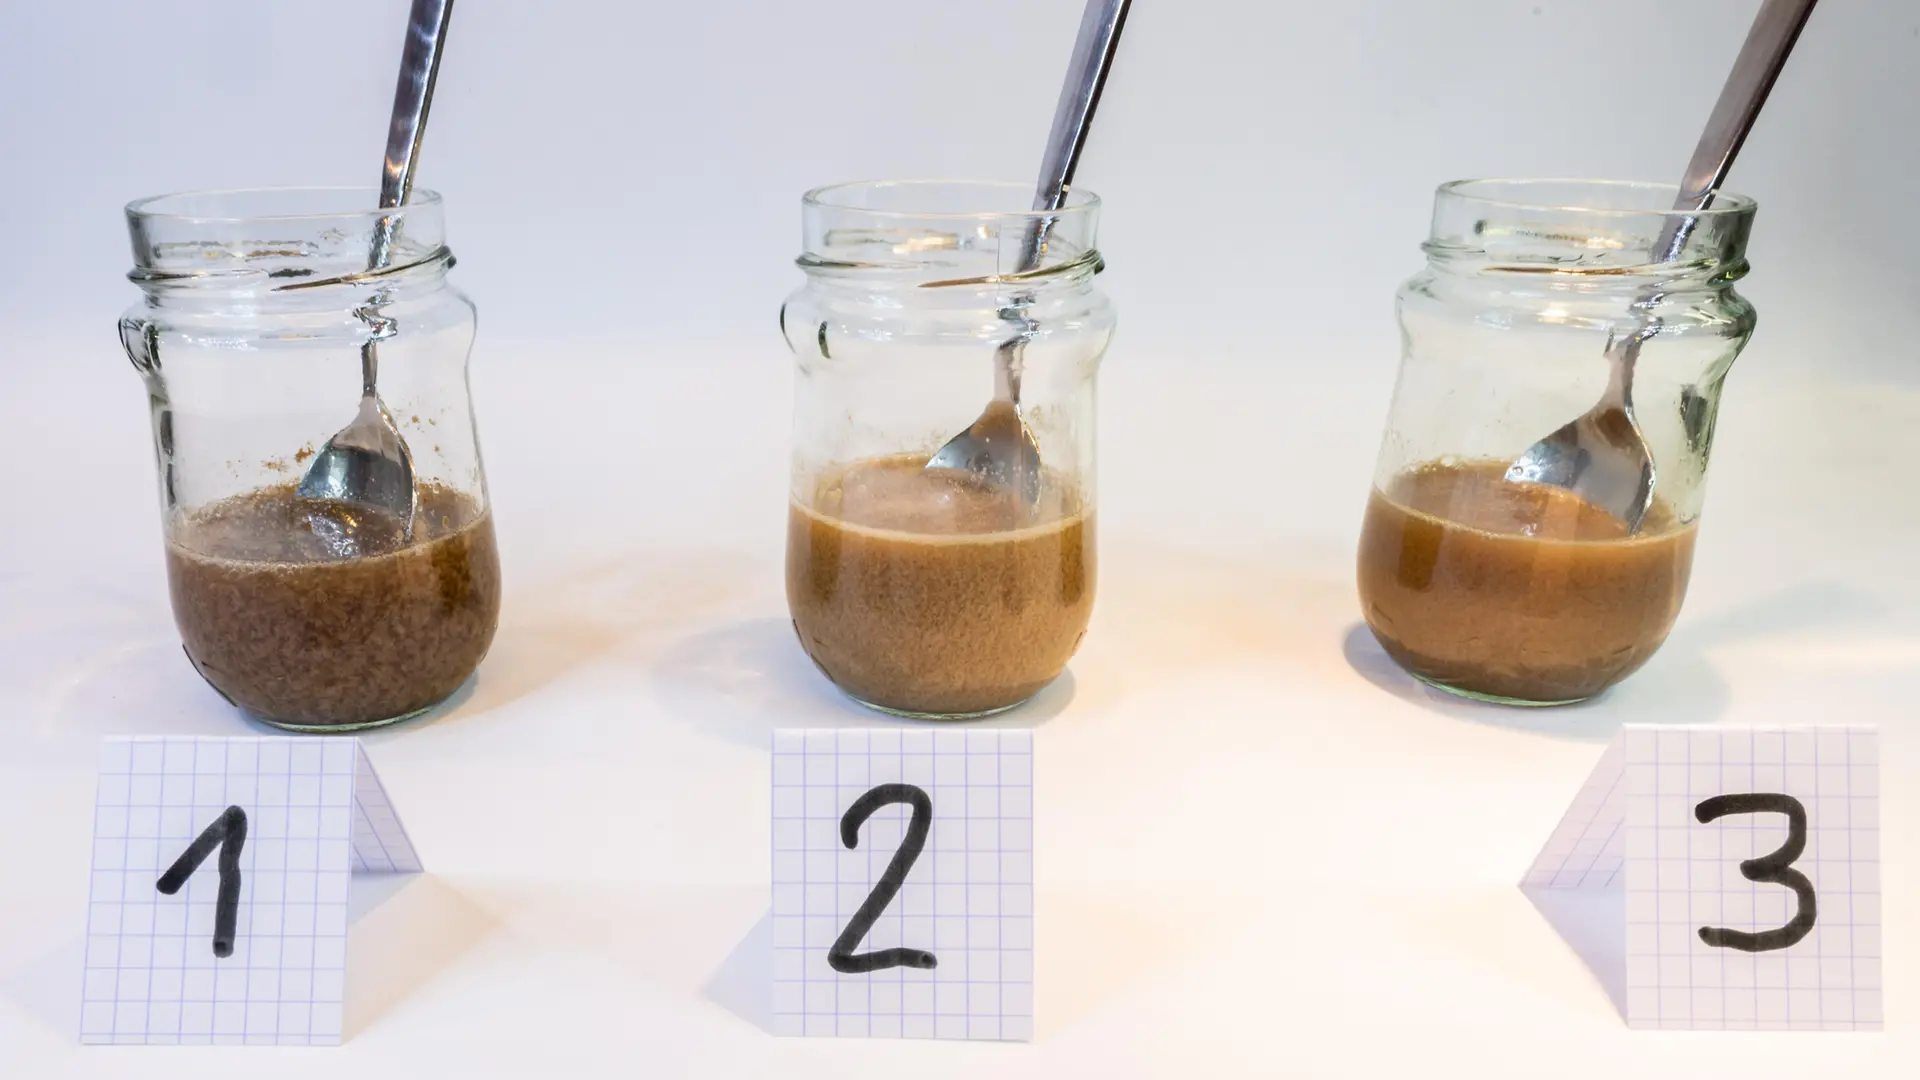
<point x="421" y="273"/>
<point x="947" y="238"/>
<point x="1596" y="236"/>
<point x="286" y="248"/>
<point x="919" y="288"/>
<point x="1644" y="281"/>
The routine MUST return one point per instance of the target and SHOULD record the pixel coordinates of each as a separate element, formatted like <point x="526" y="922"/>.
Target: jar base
<point x="340" y="729"/>
<point x="911" y="714"/>
<point x="1497" y="699"/>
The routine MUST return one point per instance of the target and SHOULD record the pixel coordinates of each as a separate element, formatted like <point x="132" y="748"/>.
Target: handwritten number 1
<point x="842" y="956"/>
<point x="1774" y="869"/>
<point x="229" y="833"/>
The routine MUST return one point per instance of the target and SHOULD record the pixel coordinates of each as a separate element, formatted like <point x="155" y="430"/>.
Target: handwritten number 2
<point x="229" y="833"/>
<point x="1775" y="869"/>
<point x="842" y="956"/>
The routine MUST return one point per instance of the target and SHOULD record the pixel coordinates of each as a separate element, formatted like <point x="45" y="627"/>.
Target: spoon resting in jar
<point x="1603" y="456"/>
<point x="999" y="448"/>
<point x="367" y="466"/>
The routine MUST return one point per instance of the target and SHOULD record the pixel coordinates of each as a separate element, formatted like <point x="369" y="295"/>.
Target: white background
<point x="1259" y="847"/>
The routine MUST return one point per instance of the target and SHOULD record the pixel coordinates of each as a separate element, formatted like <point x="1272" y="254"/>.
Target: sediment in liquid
<point x="310" y="616"/>
<point x="929" y="593"/>
<point x="1516" y="591"/>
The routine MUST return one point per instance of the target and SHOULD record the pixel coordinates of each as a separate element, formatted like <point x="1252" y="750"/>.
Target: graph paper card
<point x="903" y="883"/>
<point x="1750" y="861"/>
<point x="218" y="908"/>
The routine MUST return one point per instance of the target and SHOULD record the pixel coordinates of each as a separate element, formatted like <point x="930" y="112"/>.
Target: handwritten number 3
<point x="1774" y="869"/>
<point x="842" y="956"/>
<point x="229" y="833"/>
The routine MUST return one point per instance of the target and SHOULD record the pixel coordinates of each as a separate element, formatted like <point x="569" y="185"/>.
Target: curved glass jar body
<point x="935" y="593"/>
<point x="306" y="614"/>
<point x="1517" y="592"/>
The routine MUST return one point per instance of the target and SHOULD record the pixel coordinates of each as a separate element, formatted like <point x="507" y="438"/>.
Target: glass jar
<point x="309" y="614"/>
<point x="1519" y="592"/>
<point x="941" y="592"/>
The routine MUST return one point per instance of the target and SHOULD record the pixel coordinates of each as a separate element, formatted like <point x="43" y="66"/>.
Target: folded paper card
<point x="903" y="883"/>
<point x="1750" y="864"/>
<point x="218" y="910"/>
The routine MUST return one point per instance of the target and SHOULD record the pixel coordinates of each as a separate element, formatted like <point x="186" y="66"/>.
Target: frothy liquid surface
<point x="899" y="494"/>
<point x="929" y="592"/>
<point x="312" y="615"/>
<point x="1520" y="591"/>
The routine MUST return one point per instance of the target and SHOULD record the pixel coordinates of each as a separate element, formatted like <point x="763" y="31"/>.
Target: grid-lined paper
<point x="1682" y="875"/>
<point x="380" y="842"/>
<point x="968" y="898"/>
<point x="315" y="812"/>
<point x="1635" y="826"/>
<point x="1588" y="848"/>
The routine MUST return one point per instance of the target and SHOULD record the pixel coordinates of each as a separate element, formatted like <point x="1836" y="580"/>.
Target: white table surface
<point x="1261" y="850"/>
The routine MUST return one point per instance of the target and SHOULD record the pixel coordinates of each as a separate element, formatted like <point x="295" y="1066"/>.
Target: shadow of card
<point x="1593" y="923"/>
<point x="743" y="983"/>
<point x="48" y="988"/>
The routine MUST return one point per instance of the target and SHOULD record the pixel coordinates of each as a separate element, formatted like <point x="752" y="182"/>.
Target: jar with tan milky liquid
<point x="938" y="593"/>
<point x="1473" y="579"/>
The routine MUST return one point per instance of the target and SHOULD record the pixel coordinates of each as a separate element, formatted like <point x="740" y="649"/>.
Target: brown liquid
<point x="313" y="617"/>
<point x="1518" y="591"/>
<point x="920" y="592"/>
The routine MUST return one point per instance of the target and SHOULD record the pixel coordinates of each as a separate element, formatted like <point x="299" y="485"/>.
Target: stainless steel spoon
<point x="367" y="466"/>
<point x="1603" y="456"/>
<point x="999" y="448"/>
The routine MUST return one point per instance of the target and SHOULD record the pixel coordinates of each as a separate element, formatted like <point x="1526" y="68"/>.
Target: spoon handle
<point x="412" y="96"/>
<point x="1775" y="29"/>
<point x="1100" y="26"/>
<point x="1099" y="38"/>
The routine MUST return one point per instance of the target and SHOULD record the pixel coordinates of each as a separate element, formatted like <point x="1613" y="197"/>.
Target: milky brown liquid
<point x="310" y="616"/>
<point x="1518" y="591"/>
<point x="929" y="593"/>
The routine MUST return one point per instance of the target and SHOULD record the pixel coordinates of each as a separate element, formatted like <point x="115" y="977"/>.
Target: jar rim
<point x="364" y="202"/>
<point x="1077" y="201"/>
<point x="1656" y="198"/>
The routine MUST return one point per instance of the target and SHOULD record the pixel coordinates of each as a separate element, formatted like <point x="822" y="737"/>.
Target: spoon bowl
<point x="998" y="448"/>
<point x="1602" y="455"/>
<point x="366" y="465"/>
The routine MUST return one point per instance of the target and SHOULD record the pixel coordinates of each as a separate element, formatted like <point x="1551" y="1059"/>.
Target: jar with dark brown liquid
<point x="311" y="615"/>
<point x="1472" y="578"/>
<point x="934" y="592"/>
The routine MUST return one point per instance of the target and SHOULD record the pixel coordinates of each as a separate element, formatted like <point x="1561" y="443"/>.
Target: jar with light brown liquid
<point x="1472" y="578"/>
<point x="937" y="592"/>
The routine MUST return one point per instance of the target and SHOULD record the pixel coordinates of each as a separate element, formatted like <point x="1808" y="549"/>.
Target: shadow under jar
<point x="311" y="615"/>
<point x="1516" y="592"/>
<point x="932" y="593"/>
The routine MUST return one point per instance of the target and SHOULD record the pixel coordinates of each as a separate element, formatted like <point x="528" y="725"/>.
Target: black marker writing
<point x="842" y="956"/>
<point x="229" y="833"/>
<point x="1774" y="869"/>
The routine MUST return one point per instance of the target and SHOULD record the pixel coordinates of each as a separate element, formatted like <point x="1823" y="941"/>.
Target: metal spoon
<point x="367" y="466"/>
<point x="1603" y="456"/>
<point x="999" y="448"/>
